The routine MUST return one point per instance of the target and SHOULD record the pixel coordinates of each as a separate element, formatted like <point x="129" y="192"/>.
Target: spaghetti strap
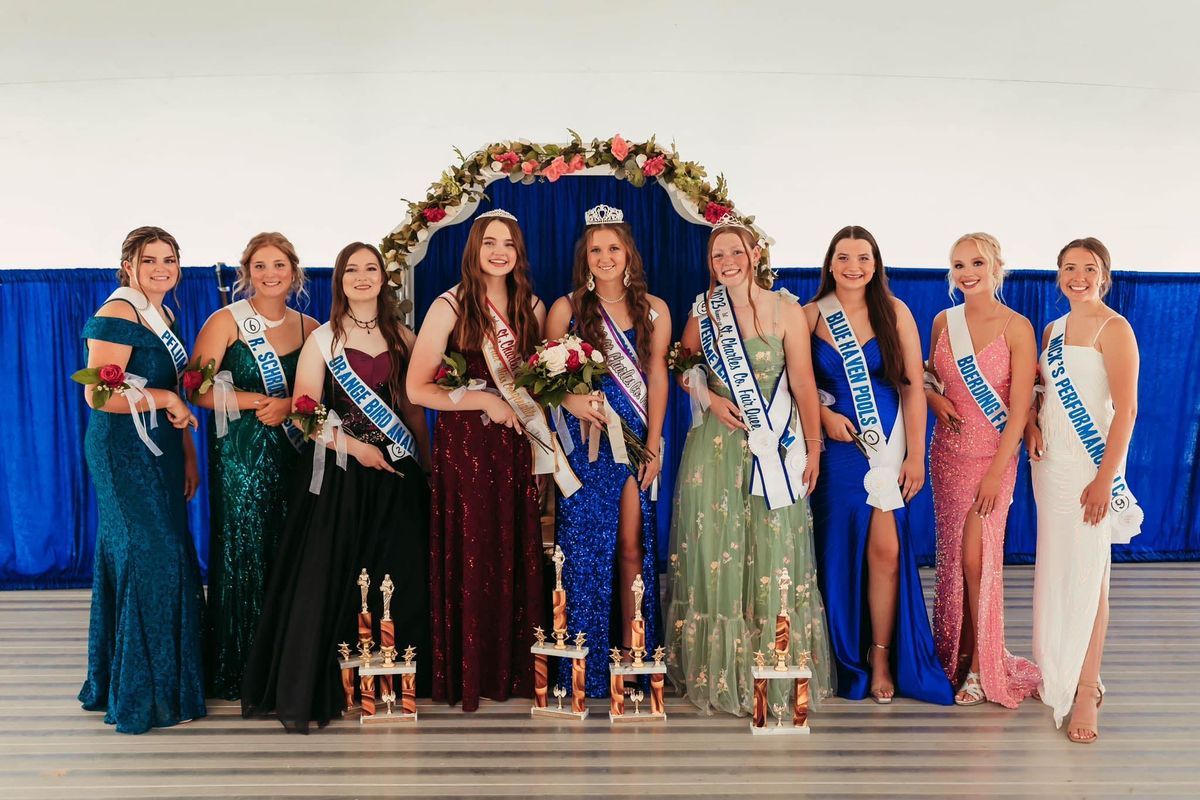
<point x="1099" y="330"/>
<point x="1010" y="319"/>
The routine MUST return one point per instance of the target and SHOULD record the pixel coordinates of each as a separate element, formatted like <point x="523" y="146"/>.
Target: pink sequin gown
<point x="957" y="464"/>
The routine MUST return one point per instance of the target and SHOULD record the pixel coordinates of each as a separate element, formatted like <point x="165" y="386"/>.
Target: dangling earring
<point x="625" y="280"/>
<point x="591" y="284"/>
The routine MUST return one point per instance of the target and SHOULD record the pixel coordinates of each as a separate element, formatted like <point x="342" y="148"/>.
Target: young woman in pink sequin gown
<point x="973" y="468"/>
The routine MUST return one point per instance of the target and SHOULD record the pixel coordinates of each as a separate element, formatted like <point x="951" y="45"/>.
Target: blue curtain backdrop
<point x="47" y="507"/>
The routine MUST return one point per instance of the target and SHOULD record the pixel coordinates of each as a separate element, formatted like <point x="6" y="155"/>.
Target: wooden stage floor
<point x="1149" y="745"/>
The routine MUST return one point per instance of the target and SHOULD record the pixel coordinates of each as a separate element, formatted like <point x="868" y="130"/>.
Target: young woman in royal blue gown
<point x="607" y="529"/>
<point x="866" y="567"/>
<point x="144" y="636"/>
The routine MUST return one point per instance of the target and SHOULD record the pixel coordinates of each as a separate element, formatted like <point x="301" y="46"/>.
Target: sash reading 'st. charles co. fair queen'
<point x="503" y="356"/>
<point x="253" y="330"/>
<point x="963" y="349"/>
<point x="1127" y="514"/>
<point x="779" y="455"/>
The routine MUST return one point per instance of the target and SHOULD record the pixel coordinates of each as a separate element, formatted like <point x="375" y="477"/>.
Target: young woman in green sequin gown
<point x="728" y="547"/>
<point x="144" y="636"/>
<point x="251" y="467"/>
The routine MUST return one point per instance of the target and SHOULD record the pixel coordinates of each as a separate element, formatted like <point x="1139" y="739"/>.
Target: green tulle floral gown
<point x="251" y="473"/>
<point x="727" y="549"/>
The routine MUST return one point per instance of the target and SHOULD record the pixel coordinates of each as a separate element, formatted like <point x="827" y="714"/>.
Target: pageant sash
<point x="963" y="349"/>
<point x="1127" y="514"/>
<point x="886" y="453"/>
<point x="623" y="367"/>
<point x="253" y="330"/>
<point x="155" y="320"/>
<point x="378" y="412"/>
<point x="773" y="476"/>
<point x="503" y="356"/>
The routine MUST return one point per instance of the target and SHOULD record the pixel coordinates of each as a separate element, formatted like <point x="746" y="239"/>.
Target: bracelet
<point x="814" y="440"/>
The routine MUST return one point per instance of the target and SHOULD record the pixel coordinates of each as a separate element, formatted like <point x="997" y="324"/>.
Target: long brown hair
<point x="880" y="310"/>
<point x="136" y="241"/>
<point x="763" y="279"/>
<point x="587" y="304"/>
<point x="270" y="239"/>
<point x="1097" y="249"/>
<point x="474" y="322"/>
<point x="387" y="312"/>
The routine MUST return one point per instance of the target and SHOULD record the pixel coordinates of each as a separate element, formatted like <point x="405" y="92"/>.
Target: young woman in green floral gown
<point x="728" y="548"/>
<point x="252" y="458"/>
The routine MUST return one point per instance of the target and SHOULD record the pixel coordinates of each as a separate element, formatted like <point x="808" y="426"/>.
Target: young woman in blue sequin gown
<point x="866" y="567"/>
<point x="144" y="637"/>
<point x="607" y="529"/>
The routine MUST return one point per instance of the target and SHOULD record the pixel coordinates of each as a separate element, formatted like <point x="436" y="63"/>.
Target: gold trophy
<point x="385" y="666"/>
<point x="348" y="666"/>
<point x="618" y="671"/>
<point x="781" y="670"/>
<point x="542" y="651"/>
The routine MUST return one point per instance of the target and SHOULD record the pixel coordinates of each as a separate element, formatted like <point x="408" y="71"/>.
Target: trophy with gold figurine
<point x="386" y="668"/>
<point x="618" y="671"/>
<point x="542" y="651"/>
<point x="780" y="668"/>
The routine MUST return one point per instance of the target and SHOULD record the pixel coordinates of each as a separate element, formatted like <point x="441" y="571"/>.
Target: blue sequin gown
<point x="145" y="641"/>
<point x="841" y="518"/>
<point x="586" y="529"/>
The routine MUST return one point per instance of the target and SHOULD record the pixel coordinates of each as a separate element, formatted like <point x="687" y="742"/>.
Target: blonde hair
<point x="270" y="239"/>
<point x="989" y="248"/>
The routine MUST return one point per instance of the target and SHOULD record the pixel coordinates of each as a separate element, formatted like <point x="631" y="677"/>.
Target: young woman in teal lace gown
<point x="728" y="548"/>
<point x="251" y="459"/>
<point x="607" y="529"/>
<point x="144" y="637"/>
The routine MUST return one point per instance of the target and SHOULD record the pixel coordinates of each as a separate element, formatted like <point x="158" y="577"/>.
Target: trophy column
<point x="543" y="651"/>
<point x="386" y="668"/>
<point x="781" y="670"/>
<point x="657" y="670"/>
<point x="366" y="687"/>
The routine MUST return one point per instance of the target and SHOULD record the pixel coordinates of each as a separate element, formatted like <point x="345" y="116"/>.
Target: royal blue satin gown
<point x="586" y="529"/>
<point x="841" y="521"/>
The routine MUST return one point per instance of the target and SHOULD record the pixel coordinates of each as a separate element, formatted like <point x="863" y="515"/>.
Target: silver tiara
<point x="497" y="212"/>
<point x="730" y="221"/>
<point x="603" y="215"/>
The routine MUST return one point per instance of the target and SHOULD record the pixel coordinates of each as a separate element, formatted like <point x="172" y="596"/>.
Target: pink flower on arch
<point x="555" y="169"/>
<point x="529" y="166"/>
<point x="619" y="147"/>
<point x="576" y="163"/>
<point x="654" y="166"/>
<point x="434" y="214"/>
<point x="714" y="211"/>
<point x="508" y="161"/>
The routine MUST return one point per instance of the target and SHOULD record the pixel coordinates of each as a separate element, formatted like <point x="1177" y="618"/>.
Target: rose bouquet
<point x="107" y="380"/>
<point x="198" y="379"/>
<point x="680" y="359"/>
<point x="452" y="375"/>
<point x="309" y="416"/>
<point x="691" y="366"/>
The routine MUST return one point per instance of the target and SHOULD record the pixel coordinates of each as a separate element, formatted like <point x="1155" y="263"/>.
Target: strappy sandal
<point x="973" y="689"/>
<point x="1079" y="733"/>
<point x="877" y="694"/>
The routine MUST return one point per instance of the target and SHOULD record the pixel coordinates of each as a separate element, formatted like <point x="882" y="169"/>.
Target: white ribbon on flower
<point x="330" y="432"/>
<point x="565" y="440"/>
<point x="695" y="380"/>
<point x="224" y="401"/>
<point x="135" y="390"/>
<point x="616" y="435"/>
<point x="473" y="385"/>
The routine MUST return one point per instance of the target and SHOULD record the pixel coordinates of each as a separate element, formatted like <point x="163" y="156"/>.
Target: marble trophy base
<point x="406" y="711"/>
<point x="541" y="706"/>
<point x="760" y="721"/>
<point x="618" y="713"/>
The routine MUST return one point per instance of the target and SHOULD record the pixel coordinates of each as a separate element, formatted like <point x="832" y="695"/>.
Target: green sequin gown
<point x="249" y="480"/>
<point x="144" y="635"/>
<point x="726" y="549"/>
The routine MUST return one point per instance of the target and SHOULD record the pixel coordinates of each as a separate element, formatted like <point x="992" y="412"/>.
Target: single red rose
<point x="306" y="405"/>
<point x="573" y="362"/>
<point x="112" y="375"/>
<point x="192" y="380"/>
<point x="654" y="166"/>
<point x="434" y="214"/>
<point x="534" y="359"/>
<point x="508" y="160"/>
<point x="714" y="211"/>
<point x="587" y="349"/>
<point x="442" y="372"/>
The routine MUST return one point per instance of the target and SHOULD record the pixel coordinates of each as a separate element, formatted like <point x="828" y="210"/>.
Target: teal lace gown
<point x="249" y="480"/>
<point x="727" y="548"/>
<point x="144" y="637"/>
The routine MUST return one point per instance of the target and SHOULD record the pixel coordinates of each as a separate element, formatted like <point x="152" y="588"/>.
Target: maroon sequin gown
<point x="485" y="557"/>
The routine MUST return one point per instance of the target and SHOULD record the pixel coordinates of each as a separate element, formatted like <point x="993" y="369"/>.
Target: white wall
<point x="921" y="120"/>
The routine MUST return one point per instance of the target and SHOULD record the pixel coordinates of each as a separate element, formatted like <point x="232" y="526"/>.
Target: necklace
<point x="368" y="325"/>
<point x="270" y="323"/>
<point x="617" y="300"/>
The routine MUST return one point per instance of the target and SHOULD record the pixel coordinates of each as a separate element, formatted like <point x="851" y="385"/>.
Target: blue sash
<point x="253" y="332"/>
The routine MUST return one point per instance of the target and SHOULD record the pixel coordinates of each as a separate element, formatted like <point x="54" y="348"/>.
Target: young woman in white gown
<point x="1094" y="348"/>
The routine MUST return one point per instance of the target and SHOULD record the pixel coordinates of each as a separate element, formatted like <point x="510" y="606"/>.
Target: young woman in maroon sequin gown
<point x="485" y="533"/>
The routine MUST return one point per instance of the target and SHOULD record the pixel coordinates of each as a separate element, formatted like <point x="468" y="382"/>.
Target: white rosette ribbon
<point x="330" y="432"/>
<point x="763" y="442"/>
<point x="825" y="398"/>
<point x="224" y="401"/>
<point x="796" y="460"/>
<point x="695" y="380"/>
<point x="135" y="390"/>
<point x="1127" y="518"/>
<point x="883" y="489"/>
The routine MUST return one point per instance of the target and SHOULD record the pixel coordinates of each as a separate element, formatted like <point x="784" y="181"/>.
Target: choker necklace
<point x="270" y="323"/>
<point x="367" y="326"/>
<point x="617" y="300"/>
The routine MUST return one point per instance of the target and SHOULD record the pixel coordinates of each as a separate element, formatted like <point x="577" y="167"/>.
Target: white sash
<point x="149" y="312"/>
<point x="377" y="410"/>
<point x="773" y="476"/>
<point x="253" y="329"/>
<point x="886" y="454"/>
<point x="621" y="357"/>
<point x="503" y="357"/>
<point x="963" y="349"/>
<point x="1127" y="514"/>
